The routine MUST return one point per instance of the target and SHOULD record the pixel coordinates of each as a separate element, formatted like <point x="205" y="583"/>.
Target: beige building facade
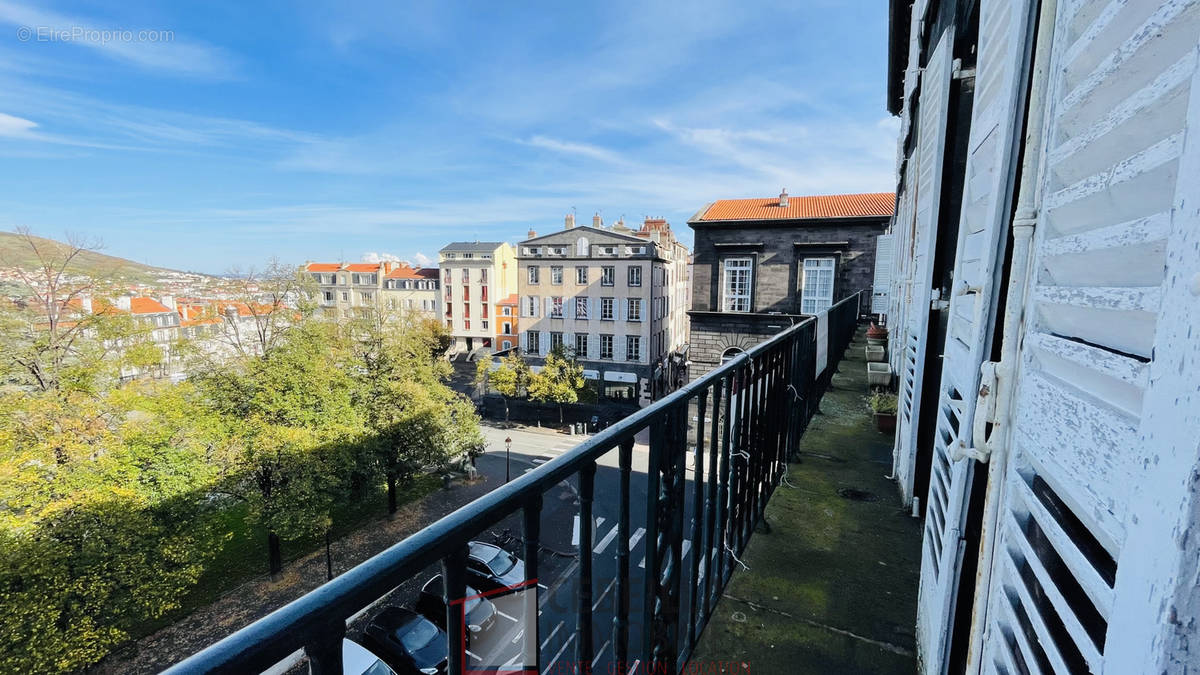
<point x="610" y="296"/>
<point x="475" y="276"/>
<point x="346" y="290"/>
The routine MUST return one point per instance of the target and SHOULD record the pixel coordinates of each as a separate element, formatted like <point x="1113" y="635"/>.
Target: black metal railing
<point x="741" y="422"/>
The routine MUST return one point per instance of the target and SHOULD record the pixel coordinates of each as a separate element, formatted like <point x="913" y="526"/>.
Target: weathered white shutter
<point x="931" y="139"/>
<point x="618" y="347"/>
<point x="544" y="343"/>
<point x="883" y="274"/>
<point x="1077" y="582"/>
<point x="986" y="206"/>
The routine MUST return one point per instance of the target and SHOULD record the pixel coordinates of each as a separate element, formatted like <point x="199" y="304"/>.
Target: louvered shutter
<point x="931" y="139"/>
<point x="1076" y="579"/>
<point x="986" y="206"/>
<point x="618" y="348"/>
<point x="544" y="343"/>
<point x="883" y="274"/>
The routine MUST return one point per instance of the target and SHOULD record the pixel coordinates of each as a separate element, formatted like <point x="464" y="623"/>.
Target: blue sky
<point x="326" y="130"/>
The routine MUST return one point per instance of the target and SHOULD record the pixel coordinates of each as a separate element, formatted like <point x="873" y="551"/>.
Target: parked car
<point x="407" y="641"/>
<point x="480" y="613"/>
<point x="357" y="660"/>
<point x="491" y="568"/>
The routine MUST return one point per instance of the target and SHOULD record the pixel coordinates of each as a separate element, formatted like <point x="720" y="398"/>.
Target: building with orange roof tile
<point x="474" y="275"/>
<point x="761" y="264"/>
<point x="346" y="290"/>
<point x="507" y="325"/>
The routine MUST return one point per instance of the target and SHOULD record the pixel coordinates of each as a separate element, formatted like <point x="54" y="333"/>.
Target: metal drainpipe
<point x="1024" y="222"/>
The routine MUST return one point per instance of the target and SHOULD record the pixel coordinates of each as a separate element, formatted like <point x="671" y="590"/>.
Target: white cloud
<point x="422" y="259"/>
<point x="572" y="148"/>
<point x="373" y="257"/>
<point x="18" y="127"/>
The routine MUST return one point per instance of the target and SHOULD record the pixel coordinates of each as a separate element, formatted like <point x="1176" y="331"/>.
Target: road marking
<point x="510" y="618"/>
<point x="560" y="652"/>
<point x="543" y="587"/>
<point x="633" y="668"/>
<point x="551" y="635"/>
<point x="612" y="534"/>
<point x="600" y="653"/>
<point x="687" y="545"/>
<point x="601" y="598"/>
<point x="637" y="536"/>
<point x="575" y="530"/>
<point x="472" y="654"/>
<point x="520" y="634"/>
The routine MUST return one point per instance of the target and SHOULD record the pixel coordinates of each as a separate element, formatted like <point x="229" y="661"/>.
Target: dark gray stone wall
<point x="777" y="280"/>
<point x="714" y="334"/>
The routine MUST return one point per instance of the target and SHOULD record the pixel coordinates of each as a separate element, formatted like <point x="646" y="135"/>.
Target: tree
<point x="511" y="379"/>
<point x="560" y="380"/>
<point x="266" y="304"/>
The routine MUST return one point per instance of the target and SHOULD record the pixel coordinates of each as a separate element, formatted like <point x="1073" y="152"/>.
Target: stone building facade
<point x="762" y="264"/>
<point x="474" y="276"/>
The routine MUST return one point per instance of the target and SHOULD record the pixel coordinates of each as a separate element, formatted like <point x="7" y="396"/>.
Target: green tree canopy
<point x="560" y="381"/>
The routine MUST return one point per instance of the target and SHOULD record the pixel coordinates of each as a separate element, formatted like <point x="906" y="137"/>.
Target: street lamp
<point x="507" y="448"/>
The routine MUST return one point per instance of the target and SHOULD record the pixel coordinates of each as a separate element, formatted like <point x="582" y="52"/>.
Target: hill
<point x="15" y="253"/>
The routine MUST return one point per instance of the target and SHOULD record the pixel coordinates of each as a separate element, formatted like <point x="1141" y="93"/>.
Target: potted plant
<point x="876" y="334"/>
<point x="883" y="404"/>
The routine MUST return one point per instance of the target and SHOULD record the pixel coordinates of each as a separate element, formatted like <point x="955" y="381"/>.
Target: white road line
<point x="575" y="530"/>
<point x="520" y="634"/>
<point x="633" y="668"/>
<point x="687" y="545"/>
<point x="637" y="536"/>
<point x="551" y="635"/>
<point x="606" y="590"/>
<point x="543" y="587"/>
<point x="510" y="618"/>
<point x="600" y="653"/>
<point x="472" y="655"/>
<point x="612" y="534"/>
<point x="560" y="652"/>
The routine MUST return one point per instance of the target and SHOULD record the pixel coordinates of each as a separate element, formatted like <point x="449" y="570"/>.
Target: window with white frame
<point x="606" y="346"/>
<point x="606" y="309"/>
<point x="534" y="274"/>
<point x="581" y="275"/>
<point x="608" y="276"/>
<point x="466" y="276"/>
<point x="533" y="342"/>
<point x="531" y="305"/>
<point x="483" y="276"/>
<point x="633" y="348"/>
<point x="635" y="276"/>
<point x="556" y="340"/>
<point x="816" y="291"/>
<point x="737" y="281"/>
<point x="556" y="307"/>
<point x="581" y="308"/>
<point x="634" y="309"/>
<point x="556" y="275"/>
<point x="581" y="344"/>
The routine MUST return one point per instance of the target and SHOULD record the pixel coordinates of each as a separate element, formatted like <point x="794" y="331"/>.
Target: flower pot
<point x="885" y="422"/>
<point x="876" y="353"/>
<point x="878" y="374"/>
<point x="876" y="336"/>
<point x="877" y="342"/>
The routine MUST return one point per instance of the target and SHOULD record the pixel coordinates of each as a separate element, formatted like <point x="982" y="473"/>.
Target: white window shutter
<point x="544" y="346"/>
<point x="618" y="347"/>
<point x="883" y="274"/>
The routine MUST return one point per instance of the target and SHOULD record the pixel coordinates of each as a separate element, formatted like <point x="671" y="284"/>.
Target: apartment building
<point x="474" y="276"/>
<point x="507" y="324"/>
<point x="388" y="285"/>
<point x="611" y="296"/>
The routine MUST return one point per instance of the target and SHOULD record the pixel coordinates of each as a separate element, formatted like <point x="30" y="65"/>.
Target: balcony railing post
<point x="711" y="548"/>
<point x="454" y="572"/>
<point x="675" y="499"/>
<point x="698" y="550"/>
<point x="587" y="482"/>
<point x="621" y="619"/>
<point x="724" y="480"/>
<point x="325" y="652"/>
<point x="532" y="516"/>
<point x="651" y="608"/>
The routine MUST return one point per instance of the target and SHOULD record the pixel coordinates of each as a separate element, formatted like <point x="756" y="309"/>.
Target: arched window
<point x="729" y="354"/>
<point x="581" y="247"/>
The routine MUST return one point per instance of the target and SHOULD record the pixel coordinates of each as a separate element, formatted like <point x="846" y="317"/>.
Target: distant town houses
<point x="762" y="264"/>
<point x="346" y="290"/>
<point x="475" y="275"/>
<point x="613" y="297"/>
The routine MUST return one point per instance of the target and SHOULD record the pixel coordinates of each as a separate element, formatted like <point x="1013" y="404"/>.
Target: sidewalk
<point x="832" y="588"/>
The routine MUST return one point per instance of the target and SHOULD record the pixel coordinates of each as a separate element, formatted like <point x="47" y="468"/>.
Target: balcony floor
<point x="832" y="588"/>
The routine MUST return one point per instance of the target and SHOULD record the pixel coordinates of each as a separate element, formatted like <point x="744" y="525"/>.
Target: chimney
<point x="123" y="302"/>
<point x="596" y="221"/>
<point x="783" y="198"/>
<point x="531" y="234"/>
<point x="569" y="221"/>
<point x="168" y="301"/>
<point x="86" y="303"/>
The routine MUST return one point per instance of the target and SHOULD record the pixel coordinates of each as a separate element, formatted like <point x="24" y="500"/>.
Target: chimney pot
<point x="597" y="222"/>
<point x="569" y="221"/>
<point x="533" y="234"/>
<point x="783" y="198"/>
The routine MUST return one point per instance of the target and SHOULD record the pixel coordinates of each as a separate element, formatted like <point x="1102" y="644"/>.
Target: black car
<point x="479" y="611"/>
<point x="407" y="641"/>
<point x="491" y="568"/>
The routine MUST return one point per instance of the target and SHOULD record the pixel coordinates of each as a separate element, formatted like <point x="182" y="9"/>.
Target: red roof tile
<point x="510" y="300"/>
<point x="799" y="208"/>
<point x="322" y="267"/>
<point x="146" y="306"/>
<point x="404" y="272"/>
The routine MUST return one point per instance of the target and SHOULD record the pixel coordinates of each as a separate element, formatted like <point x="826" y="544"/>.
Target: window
<point x="635" y="309"/>
<point x="343" y="279"/>
<point x="633" y="348"/>
<point x="581" y="275"/>
<point x="609" y="250"/>
<point x="466" y="309"/>
<point x="468" y="255"/>
<point x="817" y="290"/>
<point x="581" y="247"/>
<point x="635" y="276"/>
<point x="556" y="340"/>
<point x="507" y="328"/>
<point x="466" y="324"/>
<point x="483" y="276"/>
<point x="556" y="307"/>
<point x="735" y="288"/>
<point x="606" y="309"/>
<point x="483" y="293"/>
<point x="483" y="311"/>
<point x="354" y="279"/>
<point x="345" y="296"/>
<point x="466" y="276"/>
<point x="558" y="250"/>
<point x="581" y="340"/>
<point x="581" y="308"/>
<point x="485" y="324"/>
<point x="466" y="292"/>
<point x="506" y="310"/>
<point x="533" y="342"/>
<point x="531" y="305"/>
<point x="366" y="296"/>
<point x="534" y="274"/>
<point x="446" y="277"/>
<point x="328" y="295"/>
<point x="608" y="276"/>
<point x="507" y="344"/>
<point x="606" y="346"/>
<point x="556" y="275"/>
